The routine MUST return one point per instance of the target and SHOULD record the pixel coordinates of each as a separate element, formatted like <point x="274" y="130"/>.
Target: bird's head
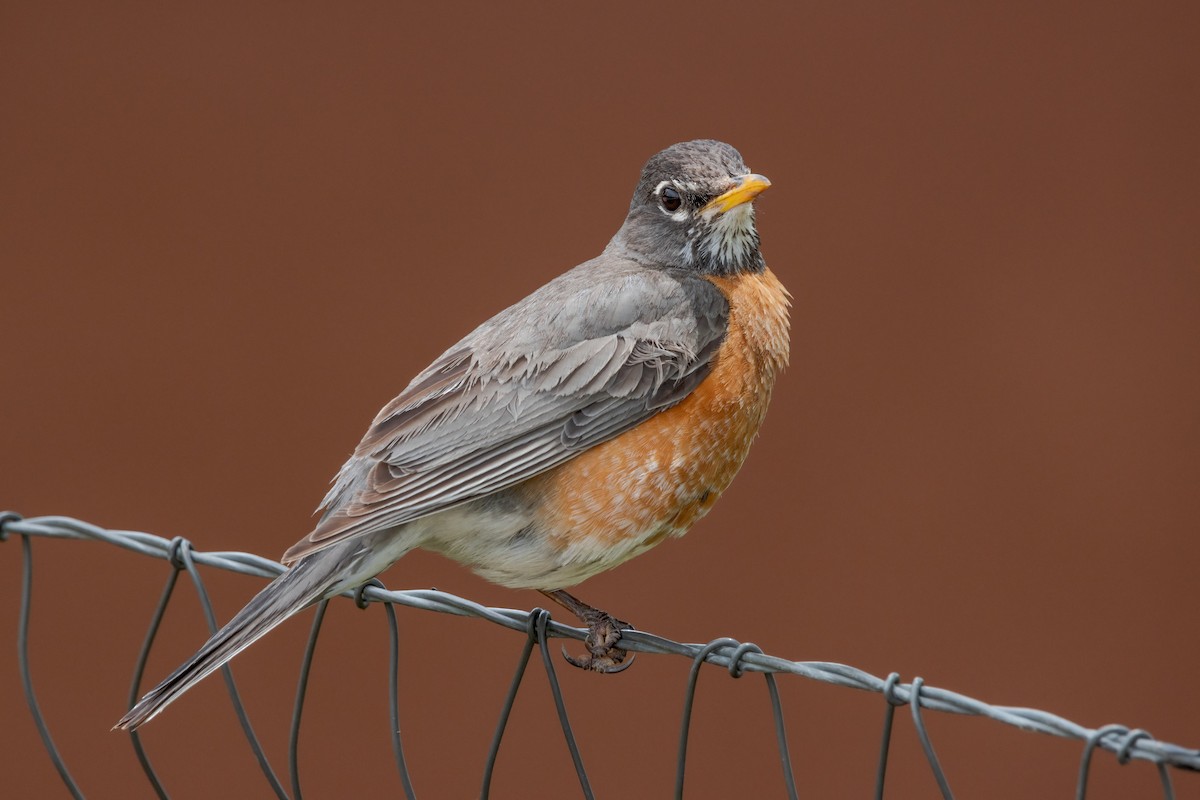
<point x="693" y="209"/>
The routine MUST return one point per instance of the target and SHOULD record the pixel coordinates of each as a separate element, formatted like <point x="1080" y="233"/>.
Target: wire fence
<point x="738" y="658"/>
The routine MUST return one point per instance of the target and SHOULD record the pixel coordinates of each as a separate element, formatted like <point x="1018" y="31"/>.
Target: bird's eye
<point x="670" y="199"/>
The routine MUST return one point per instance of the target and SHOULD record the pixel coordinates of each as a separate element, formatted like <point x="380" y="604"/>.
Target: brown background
<point x="229" y="235"/>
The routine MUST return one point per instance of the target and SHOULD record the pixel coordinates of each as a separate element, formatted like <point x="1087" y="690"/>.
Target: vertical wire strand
<point x="139" y="671"/>
<point x="785" y="756"/>
<point x="689" y="697"/>
<point x="1085" y="763"/>
<point x="915" y="704"/>
<point x="509" y="700"/>
<point x="576" y="757"/>
<point x="185" y="555"/>
<point x="1165" y="777"/>
<point x="1128" y="740"/>
<point x="889" y="686"/>
<point x="736" y="671"/>
<point x="394" y="698"/>
<point x="26" y="677"/>
<point x="298" y="708"/>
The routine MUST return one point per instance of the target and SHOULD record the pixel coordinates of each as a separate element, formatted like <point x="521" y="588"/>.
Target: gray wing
<point x="590" y="355"/>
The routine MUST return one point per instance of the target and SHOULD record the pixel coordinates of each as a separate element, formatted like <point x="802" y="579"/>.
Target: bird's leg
<point x="604" y="631"/>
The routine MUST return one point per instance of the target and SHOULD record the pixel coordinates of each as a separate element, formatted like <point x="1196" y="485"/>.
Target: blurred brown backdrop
<point x="229" y="235"/>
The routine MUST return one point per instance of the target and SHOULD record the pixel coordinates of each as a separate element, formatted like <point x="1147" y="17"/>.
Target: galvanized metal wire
<point x="738" y="658"/>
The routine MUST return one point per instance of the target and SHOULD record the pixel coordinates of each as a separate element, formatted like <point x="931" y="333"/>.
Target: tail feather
<point x="288" y="594"/>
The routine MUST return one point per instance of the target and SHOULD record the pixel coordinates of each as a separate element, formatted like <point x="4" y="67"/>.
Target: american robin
<point x="574" y="430"/>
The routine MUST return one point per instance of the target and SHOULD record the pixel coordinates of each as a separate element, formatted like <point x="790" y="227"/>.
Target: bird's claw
<point x="604" y="631"/>
<point x="609" y="663"/>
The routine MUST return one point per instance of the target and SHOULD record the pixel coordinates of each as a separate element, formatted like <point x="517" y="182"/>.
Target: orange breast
<point x="625" y="495"/>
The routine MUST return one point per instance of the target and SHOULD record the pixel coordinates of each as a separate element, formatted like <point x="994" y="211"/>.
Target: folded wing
<point x="590" y="355"/>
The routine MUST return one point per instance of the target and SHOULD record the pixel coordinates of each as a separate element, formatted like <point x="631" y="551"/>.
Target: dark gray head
<point x="693" y="209"/>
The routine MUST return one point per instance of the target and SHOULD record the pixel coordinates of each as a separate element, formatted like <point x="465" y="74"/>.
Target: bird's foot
<point x="604" y="632"/>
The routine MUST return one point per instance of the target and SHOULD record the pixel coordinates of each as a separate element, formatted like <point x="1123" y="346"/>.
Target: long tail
<point x="299" y="587"/>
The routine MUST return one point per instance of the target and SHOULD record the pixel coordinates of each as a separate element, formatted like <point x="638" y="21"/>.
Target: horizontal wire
<point x="929" y="697"/>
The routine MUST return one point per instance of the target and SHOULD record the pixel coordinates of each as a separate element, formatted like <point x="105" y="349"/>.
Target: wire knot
<point x="537" y="624"/>
<point x="735" y="658"/>
<point x="360" y="598"/>
<point x="917" y="684"/>
<point x="5" y="518"/>
<point x="178" y="552"/>
<point x="1127" y="743"/>
<point x="889" y="690"/>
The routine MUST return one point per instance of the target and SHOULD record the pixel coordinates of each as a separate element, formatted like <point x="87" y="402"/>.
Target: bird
<point x="576" y="429"/>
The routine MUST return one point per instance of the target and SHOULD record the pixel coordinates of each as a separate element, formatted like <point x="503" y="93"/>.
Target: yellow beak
<point x="750" y="187"/>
